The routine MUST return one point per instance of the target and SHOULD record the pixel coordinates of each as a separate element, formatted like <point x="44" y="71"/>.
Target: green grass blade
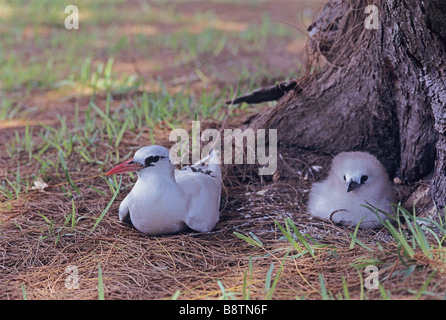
<point x="300" y="237"/>
<point x="361" y="281"/>
<point x="110" y="125"/>
<point x="268" y="278"/>
<point x="399" y="238"/>
<point x="384" y="294"/>
<point x="246" y="293"/>
<point x="121" y="132"/>
<point x="272" y="288"/>
<point x="67" y="174"/>
<point x="101" y="293"/>
<point x="324" y="293"/>
<point x="425" y="284"/>
<point x="289" y="237"/>
<point x="355" y="239"/>
<point x="73" y="215"/>
<point x="252" y="241"/>
<point x="175" y="295"/>
<point x="24" y="294"/>
<point x="345" y="289"/>
<point x="108" y="205"/>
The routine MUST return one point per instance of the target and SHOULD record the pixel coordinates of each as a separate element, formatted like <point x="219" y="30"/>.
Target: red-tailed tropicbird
<point x="355" y="179"/>
<point x="165" y="200"/>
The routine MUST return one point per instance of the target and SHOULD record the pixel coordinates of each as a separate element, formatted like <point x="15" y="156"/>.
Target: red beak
<point x="127" y="166"/>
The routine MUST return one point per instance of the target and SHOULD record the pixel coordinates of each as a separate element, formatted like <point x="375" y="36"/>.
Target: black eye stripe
<point x="152" y="159"/>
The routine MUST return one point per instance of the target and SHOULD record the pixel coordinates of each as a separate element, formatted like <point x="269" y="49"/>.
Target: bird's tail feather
<point x="213" y="163"/>
<point x="212" y="157"/>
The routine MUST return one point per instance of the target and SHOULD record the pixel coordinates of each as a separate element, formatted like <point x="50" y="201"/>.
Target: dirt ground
<point x="45" y="255"/>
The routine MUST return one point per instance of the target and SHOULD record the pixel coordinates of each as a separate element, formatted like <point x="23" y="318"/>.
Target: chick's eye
<point x="344" y="177"/>
<point x="149" y="160"/>
<point x="364" y="178"/>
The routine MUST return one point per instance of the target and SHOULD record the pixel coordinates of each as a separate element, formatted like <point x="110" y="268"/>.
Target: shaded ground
<point x="191" y="56"/>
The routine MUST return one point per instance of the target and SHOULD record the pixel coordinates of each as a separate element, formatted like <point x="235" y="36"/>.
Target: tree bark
<point x="380" y="90"/>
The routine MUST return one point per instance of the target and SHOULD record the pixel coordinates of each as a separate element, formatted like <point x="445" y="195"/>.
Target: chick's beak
<point x="126" y="166"/>
<point x="352" y="185"/>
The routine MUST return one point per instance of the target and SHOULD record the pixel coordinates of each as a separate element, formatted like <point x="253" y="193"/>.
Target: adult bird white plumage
<point x="355" y="179"/>
<point x="165" y="200"/>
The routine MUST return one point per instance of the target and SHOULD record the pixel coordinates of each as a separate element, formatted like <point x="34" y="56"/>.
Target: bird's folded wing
<point x="124" y="213"/>
<point x="203" y="193"/>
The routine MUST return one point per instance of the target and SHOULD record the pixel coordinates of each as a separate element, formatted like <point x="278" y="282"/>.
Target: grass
<point x="411" y="248"/>
<point x="118" y="188"/>
<point x="411" y="236"/>
<point x="49" y="37"/>
<point x="101" y="292"/>
<point x="68" y="148"/>
<point x="150" y="110"/>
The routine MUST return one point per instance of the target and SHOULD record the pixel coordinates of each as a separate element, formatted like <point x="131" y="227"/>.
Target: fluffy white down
<point x="331" y="194"/>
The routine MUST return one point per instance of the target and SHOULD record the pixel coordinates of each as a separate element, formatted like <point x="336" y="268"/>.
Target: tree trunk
<point x="380" y="90"/>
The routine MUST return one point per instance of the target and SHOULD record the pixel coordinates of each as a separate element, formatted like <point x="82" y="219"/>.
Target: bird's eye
<point x="364" y="178"/>
<point x="149" y="160"/>
<point x="344" y="177"/>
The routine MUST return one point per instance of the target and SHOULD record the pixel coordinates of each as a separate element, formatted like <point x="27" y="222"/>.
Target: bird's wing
<point x="124" y="213"/>
<point x="324" y="199"/>
<point x="201" y="184"/>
